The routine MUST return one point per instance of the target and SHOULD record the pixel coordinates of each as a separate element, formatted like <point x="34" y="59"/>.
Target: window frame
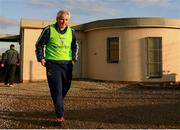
<point x="154" y="57"/>
<point x="110" y="59"/>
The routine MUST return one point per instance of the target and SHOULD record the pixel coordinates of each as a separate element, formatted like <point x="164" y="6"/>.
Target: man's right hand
<point x="2" y="65"/>
<point x="43" y="62"/>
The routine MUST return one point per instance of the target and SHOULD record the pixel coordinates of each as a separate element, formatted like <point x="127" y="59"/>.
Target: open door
<point x="77" y="68"/>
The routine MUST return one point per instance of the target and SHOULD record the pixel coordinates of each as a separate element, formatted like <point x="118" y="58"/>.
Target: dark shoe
<point x="60" y="120"/>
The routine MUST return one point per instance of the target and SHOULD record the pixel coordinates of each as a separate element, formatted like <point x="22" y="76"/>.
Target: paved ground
<point x="91" y="105"/>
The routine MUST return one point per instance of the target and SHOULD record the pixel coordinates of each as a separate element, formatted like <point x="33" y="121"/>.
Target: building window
<point x="154" y="57"/>
<point x="113" y="50"/>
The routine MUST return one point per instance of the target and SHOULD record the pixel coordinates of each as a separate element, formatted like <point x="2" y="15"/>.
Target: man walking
<point x="60" y="55"/>
<point x="9" y="60"/>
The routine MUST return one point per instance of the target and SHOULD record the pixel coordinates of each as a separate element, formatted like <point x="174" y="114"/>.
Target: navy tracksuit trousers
<point x="59" y="76"/>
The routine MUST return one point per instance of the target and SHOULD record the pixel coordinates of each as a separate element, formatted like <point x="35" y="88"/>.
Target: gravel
<point x="91" y="105"/>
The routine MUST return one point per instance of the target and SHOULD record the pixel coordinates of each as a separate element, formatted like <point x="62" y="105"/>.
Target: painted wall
<point x="133" y="46"/>
<point x="92" y="39"/>
<point x="32" y="70"/>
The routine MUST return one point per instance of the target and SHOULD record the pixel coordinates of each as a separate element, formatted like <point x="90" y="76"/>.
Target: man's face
<point x="63" y="20"/>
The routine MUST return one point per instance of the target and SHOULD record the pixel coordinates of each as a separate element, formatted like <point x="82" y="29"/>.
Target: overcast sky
<point x="11" y="11"/>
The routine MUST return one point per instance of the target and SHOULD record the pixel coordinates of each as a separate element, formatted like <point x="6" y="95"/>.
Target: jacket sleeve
<point x="74" y="46"/>
<point x="4" y="58"/>
<point x="41" y="42"/>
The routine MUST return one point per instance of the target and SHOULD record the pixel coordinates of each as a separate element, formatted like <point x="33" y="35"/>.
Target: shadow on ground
<point x="114" y="108"/>
<point x="149" y="115"/>
<point x="165" y="115"/>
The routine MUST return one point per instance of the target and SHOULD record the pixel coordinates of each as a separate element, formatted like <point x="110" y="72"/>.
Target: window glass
<point x="154" y="57"/>
<point x="113" y="50"/>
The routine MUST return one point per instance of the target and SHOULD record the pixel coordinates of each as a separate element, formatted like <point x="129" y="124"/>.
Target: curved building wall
<point x="132" y="64"/>
<point x="92" y="38"/>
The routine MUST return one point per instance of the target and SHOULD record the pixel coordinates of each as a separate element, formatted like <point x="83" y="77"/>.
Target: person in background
<point x="61" y="50"/>
<point x="10" y="60"/>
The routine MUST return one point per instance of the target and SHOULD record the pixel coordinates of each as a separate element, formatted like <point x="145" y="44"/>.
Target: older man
<point x="60" y="54"/>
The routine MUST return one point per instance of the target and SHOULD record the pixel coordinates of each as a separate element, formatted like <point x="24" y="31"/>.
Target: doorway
<point x="5" y="41"/>
<point x="77" y="69"/>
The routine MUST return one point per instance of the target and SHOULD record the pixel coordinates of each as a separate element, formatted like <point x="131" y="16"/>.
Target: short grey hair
<point x="61" y="12"/>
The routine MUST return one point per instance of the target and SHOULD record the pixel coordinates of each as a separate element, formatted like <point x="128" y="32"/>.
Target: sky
<point x="82" y="11"/>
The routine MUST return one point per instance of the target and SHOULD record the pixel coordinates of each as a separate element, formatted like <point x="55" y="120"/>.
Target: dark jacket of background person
<point x="11" y="56"/>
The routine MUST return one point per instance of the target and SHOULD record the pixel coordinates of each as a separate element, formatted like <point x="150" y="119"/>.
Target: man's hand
<point x="43" y="62"/>
<point x="73" y="62"/>
<point x="2" y="65"/>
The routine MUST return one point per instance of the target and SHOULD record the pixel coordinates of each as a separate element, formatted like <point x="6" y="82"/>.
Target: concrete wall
<point x="92" y="38"/>
<point x="133" y="54"/>
<point x="32" y="70"/>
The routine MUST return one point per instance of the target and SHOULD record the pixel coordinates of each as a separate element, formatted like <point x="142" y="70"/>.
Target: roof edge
<point x="130" y="22"/>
